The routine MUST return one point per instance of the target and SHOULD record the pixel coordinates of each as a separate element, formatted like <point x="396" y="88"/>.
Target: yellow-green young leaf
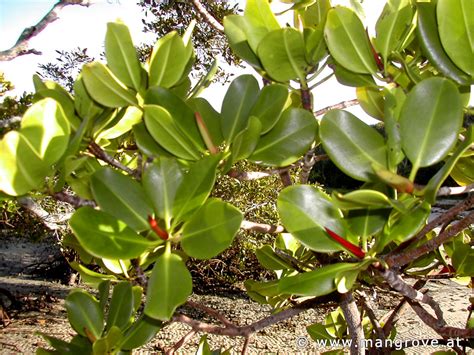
<point x="352" y="145"/>
<point x="169" y="286"/>
<point x="283" y="54"/>
<point x="211" y="229"/>
<point x="314" y="15"/>
<point x="131" y="117"/>
<point x="463" y="171"/>
<point x="372" y="101"/>
<point x="104" y="236"/>
<point x="361" y="199"/>
<point x="456" y="31"/>
<point x="105" y="88"/>
<point x="21" y="167"/>
<point x="122" y="56"/>
<point x="168" y="61"/>
<point x="259" y="20"/>
<point x="430" y="121"/>
<point x="348" y="42"/>
<point x="84" y="313"/>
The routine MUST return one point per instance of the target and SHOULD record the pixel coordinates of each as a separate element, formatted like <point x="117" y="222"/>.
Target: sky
<point x="80" y="26"/>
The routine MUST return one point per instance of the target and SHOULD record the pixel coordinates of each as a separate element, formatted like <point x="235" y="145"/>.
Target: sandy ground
<point x="43" y="310"/>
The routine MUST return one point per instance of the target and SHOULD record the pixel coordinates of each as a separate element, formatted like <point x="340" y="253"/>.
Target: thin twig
<point x="73" y="200"/>
<point x="339" y="106"/>
<point x="21" y="46"/>
<point x="459" y="190"/>
<point x="354" y="324"/>
<point x="245" y="347"/>
<point x="52" y="222"/>
<point x="99" y="153"/>
<point x="207" y="16"/>
<point x="372" y="317"/>
<point x="210" y="311"/>
<point x="187" y="337"/>
<point x="285" y="178"/>
<point x="262" y="228"/>
<point x="309" y="160"/>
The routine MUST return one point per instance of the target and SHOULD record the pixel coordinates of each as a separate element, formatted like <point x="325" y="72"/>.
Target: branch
<point x="52" y="222"/>
<point x="404" y="257"/>
<point x="340" y="106"/>
<point x="309" y="160"/>
<point x="371" y="314"/>
<point x="352" y="316"/>
<point x="21" y="46"/>
<point x="449" y="191"/>
<point x="99" y="153"/>
<point x="286" y="178"/>
<point x="181" y="342"/>
<point x="207" y="16"/>
<point x="262" y="228"/>
<point x="73" y="200"/>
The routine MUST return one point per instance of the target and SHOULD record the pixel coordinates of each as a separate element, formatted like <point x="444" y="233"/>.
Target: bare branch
<point x="52" y="222"/>
<point x="340" y="106"/>
<point x="207" y="16"/>
<point x="99" y="153"/>
<point x="309" y="160"/>
<point x="262" y="228"/>
<point x="187" y="337"/>
<point x="371" y="314"/>
<point x="212" y="312"/>
<point x="286" y="178"/>
<point x="352" y="316"/>
<point x="449" y="191"/>
<point x="73" y="200"/>
<point x="21" y="46"/>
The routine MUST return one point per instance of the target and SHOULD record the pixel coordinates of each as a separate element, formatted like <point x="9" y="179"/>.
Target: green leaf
<point x="169" y="286"/>
<point x="108" y="342"/>
<point x="283" y="54"/>
<point x="269" y="105"/>
<point x="84" y="313"/>
<point x="246" y="141"/>
<point x="315" y="283"/>
<point x="168" y="60"/>
<point x="104" y="236"/>
<point x="306" y="212"/>
<point x="456" y="31"/>
<point x="462" y="257"/>
<point x="140" y="333"/>
<point x="181" y="113"/>
<point x="131" y="117"/>
<point x="211" y="229"/>
<point x="392" y="26"/>
<point x="146" y="143"/>
<point x="351" y="144"/>
<point x="430" y="121"/>
<point x="270" y="260"/>
<point x="212" y="118"/>
<point x="347" y="41"/>
<point x="85" y="107"/>
<point x="104" y="88"/>
<point x="121" y="306"/>
<point x="161" y="180"/>
<point x="288" y="140"/>
<point x="259" y="20"/>
<point x="122" y="197"/>
<point x="345" y="280"/>
<point x="315" y="15"/>
<point x="315" y="45"/>
<point x="238" y="102"/>
<point x="410" y="223"/>
<point x="367" y="222"/>
<point x="59" y="345"/>
<point x="318" y="331"/>
<point x="164" y="129"/>
<point x="122" y="56"/>
<point x="372" y="101"/>
<point x="196" y="186"/>
<point x="361" y="199"/>
<point x="103" y="288"/>
<point x="349" y="78"/>
<point x="234" y="29"/>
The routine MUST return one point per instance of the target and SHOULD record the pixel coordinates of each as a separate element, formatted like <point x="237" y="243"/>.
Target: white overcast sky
<point x="86" y="26"/>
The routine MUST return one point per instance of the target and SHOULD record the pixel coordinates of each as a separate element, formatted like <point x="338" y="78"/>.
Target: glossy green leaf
<point x="196" y="186"/>
<point x="288" y="140"/>
<point x="315" y="15"/>
<point x="345" y="280"/>
<point x="161" y="180"/>
<point x="238" y="102"/>
<point x="104" y="88"/>
<point x="104" y="291"/>
<point x="463" y="171"/>
<point x="349" y="78"/>
<point x="140" y="333"/>
<point x="211" y="229"/>
<point x="121" y="306"/>
<point x="122" y="197"/>
<point x="306" y="212"/>
<point x="212" y="118"/>
<point x="270" y="105"/>
<point x="168" y="61"/>
<point x="367" y="222"/>
<point x="121" y="55"/>
<point x="372" y="101"/>
<point x="108" y="342"/>
<point x="347" y="41"/>
<point x="180" y="112"/>
<point x="84" y="313"/>
<point x="410" y="223"/>
<point x="351" y="144"/>
<point x="164" y="129"/>
<point x="462" y="256"/>
<point x="315" y="283"/>
<point x="456" y="31"/>
<point x="131" y="117"/>
<point x="318" y="331"/>
<point x="85" y="107"/>
<point x="59" y="345"/>
<point x="169" y="286"/>
<point x="246" y="141"/>
<point x="259" y="20"/>
<point x="266" y="288"/>
<point x="361" y="199"/>
<point x="283" y="54"/>
<point x="392" y="26"/>
<point x="430" y="121"/>
<point x="315" y="45"/>
<point x="234" y="29"/>
<point x="104" y="236"/>
<point x="270" y="260"/>
<point x="146" y="143"/>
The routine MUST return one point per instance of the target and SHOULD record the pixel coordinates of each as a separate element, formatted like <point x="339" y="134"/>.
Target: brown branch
<point x="52" y="222"/>
<point x="407" y="256"/>
<point x="99" y="153"/>
<point x="73" y="200"/>
<point x="210" y="311"/>
<point x="459" y="190"/>
<point x="286" y="178"/>
<point x="207" y="16"/>
<point x="432" y="322"/>
<point x="245" y="347"/>
<point x="372" y="317"/>
<point x="396" y="282"/>
<point x="187" y="337"/>
<point x="262" y="228"/>
<point x="21" y="46"/>
<point x="352" y="316"/>
<point x="339" y="106"/>
<point x="309" y="160"/>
